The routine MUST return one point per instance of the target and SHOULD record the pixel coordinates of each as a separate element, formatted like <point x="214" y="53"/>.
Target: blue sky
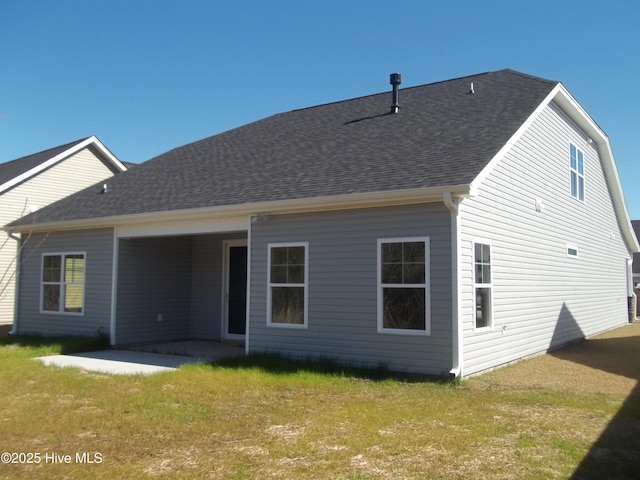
<point x="147" y="76"/>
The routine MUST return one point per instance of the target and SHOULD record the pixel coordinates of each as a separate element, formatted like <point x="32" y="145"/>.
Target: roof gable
<point x="17" y="171"/>
<point x="13" y="168"/>
<point x="443" y="135"/>
<point x="561" y="96"/>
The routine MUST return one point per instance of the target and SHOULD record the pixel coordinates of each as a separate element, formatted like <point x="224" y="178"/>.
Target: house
<point x="636" y="267"/>
<point x="32" y="182"/>
<point x="446" y="229"/>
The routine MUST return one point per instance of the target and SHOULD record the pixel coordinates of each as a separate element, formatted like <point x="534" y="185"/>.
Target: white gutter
<point x="457" y="357"/>
<point x="277" y="207"/>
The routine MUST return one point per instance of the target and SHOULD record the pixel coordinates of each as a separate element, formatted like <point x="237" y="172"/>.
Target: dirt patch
<point x="606" y="363"/>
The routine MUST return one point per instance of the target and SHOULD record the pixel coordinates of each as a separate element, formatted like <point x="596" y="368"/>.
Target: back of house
<point x="444" y="229"/>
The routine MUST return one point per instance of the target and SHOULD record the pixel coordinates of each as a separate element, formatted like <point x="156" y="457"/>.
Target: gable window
<point x="572" y="251"/>
<point x="63" y="283"/>
<point x="288" y="284"/>
<point x="403" y="285"/>
<point x="577" y="172"/>
<point x="482" y="285"/>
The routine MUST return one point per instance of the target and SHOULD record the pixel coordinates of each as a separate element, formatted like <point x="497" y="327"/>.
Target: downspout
<point x="16" y="295"/>
<point x="114" y="287"/>
<point x="456" y="287"/>
<point x="247" y="329"/>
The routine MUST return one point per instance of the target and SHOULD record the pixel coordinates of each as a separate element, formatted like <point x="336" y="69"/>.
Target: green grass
<point x="268" y="417"/>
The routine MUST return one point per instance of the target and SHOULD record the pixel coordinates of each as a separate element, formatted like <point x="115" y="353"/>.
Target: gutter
<point x="456" y="287"/>
<point x="271" y="207"/>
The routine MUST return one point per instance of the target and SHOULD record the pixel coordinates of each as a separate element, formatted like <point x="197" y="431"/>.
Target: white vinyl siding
<point x="545" y="298"/>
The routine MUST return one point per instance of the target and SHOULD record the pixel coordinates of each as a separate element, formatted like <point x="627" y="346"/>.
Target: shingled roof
<point x="14" y="168"/>
<point x="443" y="135"/>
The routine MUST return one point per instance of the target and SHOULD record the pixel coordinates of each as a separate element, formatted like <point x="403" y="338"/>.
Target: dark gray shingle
<point x="14" y="168"/>
<point x="443" y="135"/>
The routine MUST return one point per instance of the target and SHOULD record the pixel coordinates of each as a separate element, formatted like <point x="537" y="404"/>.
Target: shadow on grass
<point x="275" y="363"/>
<point x="616" y="453"/>
<point x="63" y="345"/>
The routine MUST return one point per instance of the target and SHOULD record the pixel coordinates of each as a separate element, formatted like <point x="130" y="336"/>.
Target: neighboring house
<point x="636" y="267"/>
<point x="470" y="223"/>
<point x="32" y="182"/>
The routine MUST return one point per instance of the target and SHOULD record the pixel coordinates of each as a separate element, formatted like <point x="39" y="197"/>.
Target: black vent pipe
<point x="395" y="80"/>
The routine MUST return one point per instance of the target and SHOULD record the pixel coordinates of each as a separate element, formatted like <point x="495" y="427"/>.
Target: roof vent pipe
<point x="395" y="80"/>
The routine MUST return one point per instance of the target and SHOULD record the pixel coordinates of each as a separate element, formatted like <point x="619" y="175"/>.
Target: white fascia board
<point x="280" y="207"/>
<point x="118" y="165"/>
<point x="569" y="104"/>
<point x="61" y="156"/>
<point x="514" y="138"/>
<point x="561" y="96"/>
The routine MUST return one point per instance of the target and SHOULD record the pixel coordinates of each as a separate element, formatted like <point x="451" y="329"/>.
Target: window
<point x="572" y="251"/>
<point x="577" y="172"/>
<point x="288" y="280"/>
<point x="403" y="285"/>
<point x="63" y="283"/>
<point x="482" y="285"/>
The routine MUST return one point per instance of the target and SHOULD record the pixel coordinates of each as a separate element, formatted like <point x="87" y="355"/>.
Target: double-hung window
<point x="403" y="285"/>
<point x="482" y="285"/>
<point x="63" y="277"/>
<point x="576" y="164"/>
<point x="287" y="296"/>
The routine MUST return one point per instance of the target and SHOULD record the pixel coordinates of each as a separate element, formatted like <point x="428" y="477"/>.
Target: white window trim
<point x="305" y="285"/>
<point x="426" y="286"/>
<point x="572" y="247"/>
<point x="488" y="328"/>
<point x="583" y="175"/>
<point x="61" y="283"/>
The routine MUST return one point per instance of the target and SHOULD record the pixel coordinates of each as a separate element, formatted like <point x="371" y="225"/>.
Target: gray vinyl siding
<point x="180" y="278"/>
<point x="543" y="298"/>
<point x="154" y="278"/>
<point x="207" y="285"/>
<point x="66" y="177"/>
<point x="342" y="319"/>
<point x="98" y="248"/>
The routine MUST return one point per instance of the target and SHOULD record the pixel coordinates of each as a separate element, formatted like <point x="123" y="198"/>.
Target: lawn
<point x="571" y="414"/>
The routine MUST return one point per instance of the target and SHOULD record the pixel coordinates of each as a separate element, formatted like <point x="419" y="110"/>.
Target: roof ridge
<point x="438" y="82"/>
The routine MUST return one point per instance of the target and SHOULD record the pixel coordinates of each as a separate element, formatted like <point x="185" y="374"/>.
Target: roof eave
<point x="277" y="207"/>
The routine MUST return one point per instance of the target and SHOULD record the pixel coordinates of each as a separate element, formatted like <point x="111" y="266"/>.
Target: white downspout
<point x="114" y="287"/>
<point x="456" y="287"/>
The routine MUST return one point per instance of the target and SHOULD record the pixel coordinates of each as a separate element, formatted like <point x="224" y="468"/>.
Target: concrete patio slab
<point x="119" y="362"/>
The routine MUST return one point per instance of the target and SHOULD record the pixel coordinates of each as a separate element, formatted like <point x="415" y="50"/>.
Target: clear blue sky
<point x="146" y="76"/>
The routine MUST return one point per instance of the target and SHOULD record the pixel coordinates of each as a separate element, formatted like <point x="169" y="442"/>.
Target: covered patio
<point x="181" y="294"/>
